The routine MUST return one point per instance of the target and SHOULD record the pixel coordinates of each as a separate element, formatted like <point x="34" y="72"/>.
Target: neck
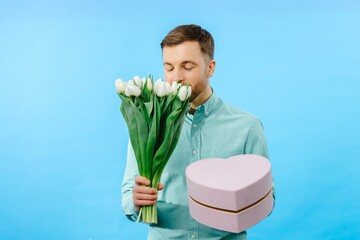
<point x="202" y="97"/>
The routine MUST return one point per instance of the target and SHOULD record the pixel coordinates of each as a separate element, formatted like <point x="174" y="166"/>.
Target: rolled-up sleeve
<point x="131" y="171"/>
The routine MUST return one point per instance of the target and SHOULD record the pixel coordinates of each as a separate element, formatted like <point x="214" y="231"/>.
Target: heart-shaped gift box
<point x="230" y="194"/>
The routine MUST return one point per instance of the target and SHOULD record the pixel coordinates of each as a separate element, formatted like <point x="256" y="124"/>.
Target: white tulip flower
<point x="167" y="88"/>
<point x="162" y="88"/>
<point x="143" y="82"/>
<point x="158" y="88"/>
<point x="131" y="82"/>
<point x="175" y="87"/>
<point x="184" y="93"/>
<point x="132" y="90"/>
<point x="156" y="85"/>
<point x="138" y="81"/>
<point x="149" y="84"/>
<point x="120" y="85"/>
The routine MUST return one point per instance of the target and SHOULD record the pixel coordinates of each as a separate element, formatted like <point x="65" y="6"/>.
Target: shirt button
<point x="194" y="125"/>
<point x="193" y="236"/>
<point x="194" y="152"/>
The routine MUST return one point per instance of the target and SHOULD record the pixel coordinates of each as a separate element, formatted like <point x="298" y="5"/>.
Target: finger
<point x="140" y="197"/>
<point x="141" y="200"/>
<point x="139" y="180"/>
<point x="161" y="187"/>
<point x="141" y="203"/>
<point x="138" y="189"/>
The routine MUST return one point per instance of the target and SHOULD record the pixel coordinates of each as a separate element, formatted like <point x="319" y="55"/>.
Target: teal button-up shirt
<point x="215" y="130"/>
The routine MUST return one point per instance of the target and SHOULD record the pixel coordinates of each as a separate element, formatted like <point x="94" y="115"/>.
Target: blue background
<point x="294" y="64"/>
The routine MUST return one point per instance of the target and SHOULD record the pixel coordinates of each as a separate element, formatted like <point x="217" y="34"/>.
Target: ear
<point x="211" y="68"/>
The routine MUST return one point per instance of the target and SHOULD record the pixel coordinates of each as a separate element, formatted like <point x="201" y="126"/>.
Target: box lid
<point x="230" y="184"/>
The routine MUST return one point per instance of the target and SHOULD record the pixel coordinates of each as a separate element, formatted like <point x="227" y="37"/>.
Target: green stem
<point x="149" y="214"/>
<point x="139" y="216"/>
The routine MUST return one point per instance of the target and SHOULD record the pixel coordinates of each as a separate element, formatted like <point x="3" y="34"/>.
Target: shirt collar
<point x="207" y="107"/>
<point x="210" y="104"/>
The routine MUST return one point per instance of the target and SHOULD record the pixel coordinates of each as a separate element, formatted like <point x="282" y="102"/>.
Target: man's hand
<point x="143" y="195"/>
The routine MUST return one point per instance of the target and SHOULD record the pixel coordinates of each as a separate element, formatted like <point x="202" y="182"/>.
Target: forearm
<point x="131" y="171"/>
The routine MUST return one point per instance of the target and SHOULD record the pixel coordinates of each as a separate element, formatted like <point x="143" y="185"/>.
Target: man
<point x="211" y="129"/>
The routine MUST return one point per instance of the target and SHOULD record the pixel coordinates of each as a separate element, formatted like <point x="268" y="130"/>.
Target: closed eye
<point x="168" y="67"/>
<point x="188" y="66"/>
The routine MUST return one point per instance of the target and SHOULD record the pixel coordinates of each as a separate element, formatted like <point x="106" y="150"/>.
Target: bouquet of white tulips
<point x="154" y="114"/>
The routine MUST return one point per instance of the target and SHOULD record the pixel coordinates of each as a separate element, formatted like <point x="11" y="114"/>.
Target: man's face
<point x="186" y="63"/>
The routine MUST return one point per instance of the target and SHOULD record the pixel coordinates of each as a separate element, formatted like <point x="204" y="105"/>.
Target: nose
<point x="178" y="75"/>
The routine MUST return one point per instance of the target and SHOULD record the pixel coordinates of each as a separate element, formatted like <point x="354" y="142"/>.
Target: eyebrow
<point x="182" y="63"/>
<point x="166" y="63"/>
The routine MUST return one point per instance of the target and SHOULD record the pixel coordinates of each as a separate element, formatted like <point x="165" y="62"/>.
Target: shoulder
<point x="237" y="113"/>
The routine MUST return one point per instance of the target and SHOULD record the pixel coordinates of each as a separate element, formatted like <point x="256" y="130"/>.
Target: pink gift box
<point x="230" y="194"/>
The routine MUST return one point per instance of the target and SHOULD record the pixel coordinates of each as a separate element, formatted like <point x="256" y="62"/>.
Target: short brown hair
<point x="190" y="32"/>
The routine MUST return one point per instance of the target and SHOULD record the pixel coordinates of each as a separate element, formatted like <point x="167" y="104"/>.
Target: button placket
<point x="195" y="133"/>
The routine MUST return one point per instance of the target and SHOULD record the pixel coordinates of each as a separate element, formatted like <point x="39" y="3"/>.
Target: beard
<point x="197" y="90"/>
<point x="193" y="96"/>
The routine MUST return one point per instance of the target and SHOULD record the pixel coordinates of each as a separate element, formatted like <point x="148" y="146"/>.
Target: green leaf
<point x="151" y="142"/>
<point x="161" y="156"/>
<point x="149" y="107"/>
<point x="138" y="131"/>
<point x="144" y="111"/>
